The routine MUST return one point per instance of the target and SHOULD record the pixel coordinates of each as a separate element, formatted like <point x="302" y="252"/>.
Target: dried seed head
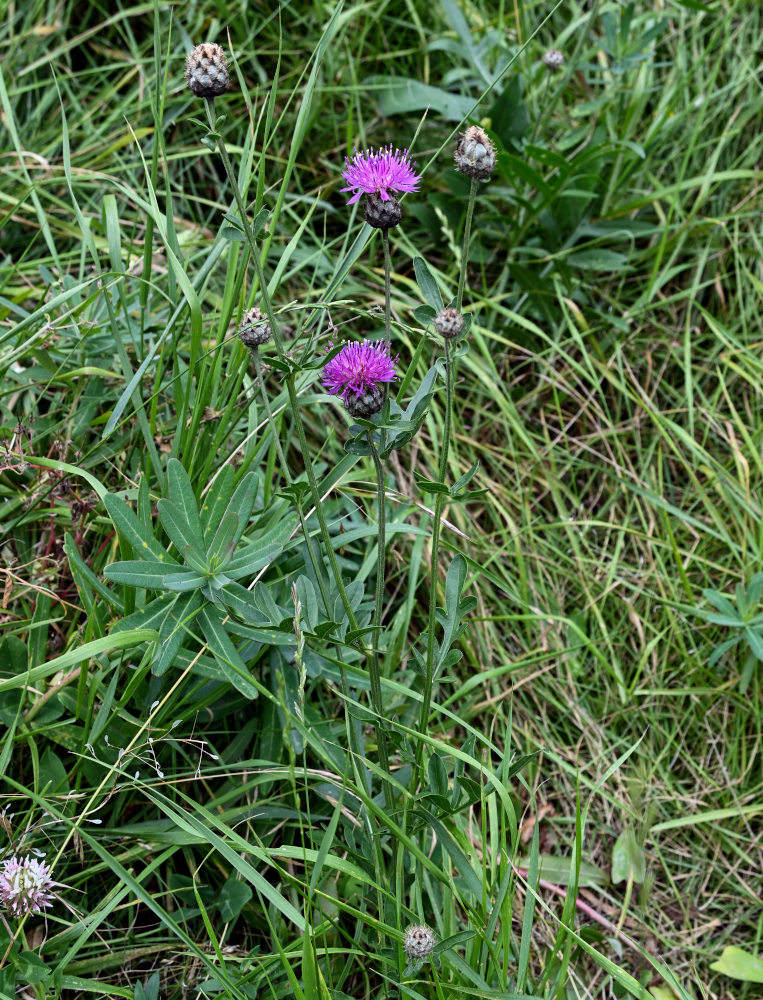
<point x="449" y="323"/>
<point x="475" y="154"/>
<point x="205" y="70"/>
<point x="553" y="59"/>
<point x="383" y="214"/>
<point x="254" y="328"/>
<point x="418" y="942"/>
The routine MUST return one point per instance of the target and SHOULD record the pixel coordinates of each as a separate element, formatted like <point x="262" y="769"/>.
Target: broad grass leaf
<point x="397" y="95"/>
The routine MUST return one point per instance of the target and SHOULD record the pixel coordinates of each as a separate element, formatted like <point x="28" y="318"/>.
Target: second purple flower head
<point x="379" y="173"/>
<point x="359" y="373"/>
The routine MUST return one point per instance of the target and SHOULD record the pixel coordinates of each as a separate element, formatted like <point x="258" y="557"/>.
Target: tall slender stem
<point x="465" y="245"/>
<point x="327" y="544"/>
<point x="255" y="253"/>
<point x="387" y="304"/>
<point x="271" y="419"/>
<point x="374" y="668"/>
<point x="438" y="510"/>
<point x="297" y="417"/>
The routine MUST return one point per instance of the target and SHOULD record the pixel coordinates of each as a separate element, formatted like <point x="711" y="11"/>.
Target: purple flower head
<point x="25" y="885"/>
<point x="358" y="367"/>
<point x="379" y="172"/>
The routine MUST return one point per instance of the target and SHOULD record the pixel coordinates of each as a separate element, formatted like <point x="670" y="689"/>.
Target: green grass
<point x="610" y="392"/>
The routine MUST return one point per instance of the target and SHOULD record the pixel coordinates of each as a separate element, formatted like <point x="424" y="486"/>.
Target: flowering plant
<point x="379" y="173"/>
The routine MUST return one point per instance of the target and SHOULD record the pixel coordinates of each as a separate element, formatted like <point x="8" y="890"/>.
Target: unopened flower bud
<point x="418" y="942"/>
<point x="475" y="154"/>
<point x="205" y="71"/>
<point x="553" y="59"/>
<point x="383" y="214"/>
<point x="449" y="323"/>
<point x="254" y="328"/>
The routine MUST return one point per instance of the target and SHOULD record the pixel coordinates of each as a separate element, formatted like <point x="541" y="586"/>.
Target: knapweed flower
<point x="25" y="886"/>
<point x="359" y="373"/>
<point x="205" y="71"/>
<point x="379" y="173"/>
<point x="418" y="942"/>
<point x="449" y="323"/>
<point x="254" y="329"/>
<point x="553" y="59"/>
<point x="475" y="154"/>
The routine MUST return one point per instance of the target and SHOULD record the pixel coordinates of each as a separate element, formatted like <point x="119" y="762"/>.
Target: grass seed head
<point x="205" y="71"/>
<point x="475" y="154"/>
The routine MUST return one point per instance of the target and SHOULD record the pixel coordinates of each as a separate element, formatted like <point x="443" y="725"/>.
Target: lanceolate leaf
<point x="179" y="530"/>
<point x="217" y="500"/>
<point x="140" y="536"/>
<point x="139" y="573"/>
<point x="221" y="546"/>
<point x="226" y="654"/>
<point x="181" y="493"/>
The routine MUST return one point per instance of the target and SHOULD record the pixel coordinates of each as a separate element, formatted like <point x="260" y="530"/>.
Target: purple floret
<point x="356" y="367"/>
<point x="379" y="172"/>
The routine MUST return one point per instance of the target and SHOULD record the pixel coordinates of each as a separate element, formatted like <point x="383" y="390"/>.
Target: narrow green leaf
<point x="138" y="573"/>
<point x="139" y="535"/>
<point x="427" y="284"/>
<point x="180" y="492"/>
<point x="180" y="532"/>
<point x="225" y="653"/>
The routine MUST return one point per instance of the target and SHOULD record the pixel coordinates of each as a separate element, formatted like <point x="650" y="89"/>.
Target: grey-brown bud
<point x="553" y="59"/>
<point x="475" y="154"/>
<point x="449" y="323"/>
<point x="254" y="328"/>
<point x="205" y="71"/>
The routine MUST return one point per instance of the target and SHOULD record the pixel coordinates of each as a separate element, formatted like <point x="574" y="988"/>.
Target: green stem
<point x="294" y="402"/>
<point x="465" y="245"/>
<point x="438" y="510"/>
<point x="255" y="254"/>
<point x="387" y="305"/>
<point x="271" y="418"/>
<point x="327" y="544"/>
<point x="374" y="669"/>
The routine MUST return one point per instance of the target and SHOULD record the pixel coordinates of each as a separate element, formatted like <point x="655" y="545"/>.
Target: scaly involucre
<point x="379" y="172"/>
<point x="357" y="367"/>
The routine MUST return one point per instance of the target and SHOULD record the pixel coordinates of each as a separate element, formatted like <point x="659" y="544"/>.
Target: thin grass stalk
<point x="374" y="668"/>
